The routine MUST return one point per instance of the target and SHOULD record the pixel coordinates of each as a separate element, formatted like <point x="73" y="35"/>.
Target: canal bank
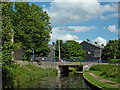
<point x="30" y="76"/>
<point x="103" y="76"/>
<point x="27" y="73"/>
<point x="95" y="83"/>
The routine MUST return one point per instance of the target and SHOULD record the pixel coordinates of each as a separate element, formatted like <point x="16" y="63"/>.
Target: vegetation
<point x="111" y="50"/>
<point x="30" y="27"/>
<point x="114" y="61"/>
<point x="69" y="50"/>
<point x="30" y="72"/>
<point x="96" y="82"/>
<point x="110" y="72"/>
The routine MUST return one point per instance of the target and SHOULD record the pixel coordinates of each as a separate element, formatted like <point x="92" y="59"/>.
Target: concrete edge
<point x="91" y="84"/>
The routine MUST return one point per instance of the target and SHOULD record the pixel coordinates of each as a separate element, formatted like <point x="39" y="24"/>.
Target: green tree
<point x="111" y="51"/>
<point x="32" y="28"/>
<point x="70" y="50"/>
<point x="8" y="67"/>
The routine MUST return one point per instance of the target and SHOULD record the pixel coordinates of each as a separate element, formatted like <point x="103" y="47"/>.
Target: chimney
<point x="95" y="42"/>
<point x="88" y="40"/>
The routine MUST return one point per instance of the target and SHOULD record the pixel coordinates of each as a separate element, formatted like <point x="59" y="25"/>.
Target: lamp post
<point x="33" y="55"/>
<point x="100" y="54"/>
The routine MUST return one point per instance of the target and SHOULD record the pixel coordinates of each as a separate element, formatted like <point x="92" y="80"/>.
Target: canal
<point x="66" y="80"/>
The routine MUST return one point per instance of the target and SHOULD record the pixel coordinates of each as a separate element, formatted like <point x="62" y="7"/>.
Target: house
<point x="52" y="51"/>
<point x="51" y="55"/>
<point x="18" y="54"/>
<point x="93" y="51"/>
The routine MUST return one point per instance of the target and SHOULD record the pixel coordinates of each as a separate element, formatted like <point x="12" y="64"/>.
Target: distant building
<point x="51" y="55"/>
<point x="52" y="51"/>
<point x="93" y="51"/>
<point x="18" y="54"/>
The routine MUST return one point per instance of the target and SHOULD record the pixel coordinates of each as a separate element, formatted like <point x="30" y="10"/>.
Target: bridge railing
<point x="69" y="60"/>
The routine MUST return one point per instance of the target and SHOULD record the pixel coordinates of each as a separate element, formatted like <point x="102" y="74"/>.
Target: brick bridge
<point x="63" y="66"/>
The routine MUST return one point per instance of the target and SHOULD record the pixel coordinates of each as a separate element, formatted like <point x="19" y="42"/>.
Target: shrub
<point x="111" y="71"/>
<point x="114" y="61"/>
<point x="98" y="67"/>
<point x="107" y="70"/>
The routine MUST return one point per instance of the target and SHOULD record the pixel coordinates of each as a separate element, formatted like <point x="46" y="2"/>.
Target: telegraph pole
<point x="59" y="49"/>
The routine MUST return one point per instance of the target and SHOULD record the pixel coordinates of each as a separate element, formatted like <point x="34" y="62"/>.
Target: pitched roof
<point x="95" y="45"/>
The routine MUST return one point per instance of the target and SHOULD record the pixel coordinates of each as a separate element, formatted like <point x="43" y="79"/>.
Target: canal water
<point x="66" y="80"/>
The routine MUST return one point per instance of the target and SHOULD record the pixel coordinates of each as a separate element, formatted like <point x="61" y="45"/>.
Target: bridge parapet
<point x="62" y="66"/>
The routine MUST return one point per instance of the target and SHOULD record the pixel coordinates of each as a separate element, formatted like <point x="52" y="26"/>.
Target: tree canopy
<point x="111" y="50"/>
<point x="31" y="28"/>
<point x="70" y="50"/>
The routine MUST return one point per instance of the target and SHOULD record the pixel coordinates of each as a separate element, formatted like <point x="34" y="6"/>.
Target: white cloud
<point x="100" y="41"/>
<point x="80" y="41"/>
<point x="112" y="28"/>
<point x="43" y="5"/>
<point x="74" y="0"/>
<point x="76" y="28"/>
<point x="109" y="16"/>
<point x="63" y="33"/>
<point x="109" y="8"/>
<point x="73" y="12"/>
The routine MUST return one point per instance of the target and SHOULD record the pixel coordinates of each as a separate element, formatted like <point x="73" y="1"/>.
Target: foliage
<point x="70" y="50"/>
<point x="109" y="71"/>
<point x="8" y="68"/>
<point x="114" y="61"/>
<point x="111" y="51"/>
<point x="30" y="72"/>
<point x="32" y="28"/>
<point x="98" y="67"/>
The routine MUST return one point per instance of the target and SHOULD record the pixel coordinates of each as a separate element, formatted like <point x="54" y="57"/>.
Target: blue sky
<point x="78" y="21"/>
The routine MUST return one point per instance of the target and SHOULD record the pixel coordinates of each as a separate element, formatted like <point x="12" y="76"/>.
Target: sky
<point x="73" y="20"/>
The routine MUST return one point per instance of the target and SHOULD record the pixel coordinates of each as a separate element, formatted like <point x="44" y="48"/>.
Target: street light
<point x="33" y="55"/>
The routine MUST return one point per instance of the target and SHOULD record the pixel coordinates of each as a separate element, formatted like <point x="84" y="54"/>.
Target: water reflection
<point x="66" y="80"/>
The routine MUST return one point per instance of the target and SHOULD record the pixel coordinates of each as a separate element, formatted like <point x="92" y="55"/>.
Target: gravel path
<point x="105" y="81"/>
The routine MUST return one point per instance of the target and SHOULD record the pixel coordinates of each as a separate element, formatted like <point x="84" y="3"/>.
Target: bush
<point x="114" y="61"/>
<point x="98" y="67"/>
<point x="111" y="71"/>
<point x="107" y="70"/>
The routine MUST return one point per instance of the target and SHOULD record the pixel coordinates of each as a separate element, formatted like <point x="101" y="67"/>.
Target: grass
<point x="30" y="72"/>
<point x="109" y="72"/>
<point x="96" y="82"/>
<point x="73" y="69"/>
<point x="98" y="73"/>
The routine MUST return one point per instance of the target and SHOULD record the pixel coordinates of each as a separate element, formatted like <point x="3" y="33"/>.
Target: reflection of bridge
<point x="63" y="66"/>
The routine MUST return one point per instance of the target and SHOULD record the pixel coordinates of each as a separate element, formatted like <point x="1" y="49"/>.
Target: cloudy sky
<point x="78" y="21"/>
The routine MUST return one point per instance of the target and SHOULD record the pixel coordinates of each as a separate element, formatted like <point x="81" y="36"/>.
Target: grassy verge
<point x="96" y="82"/>
<point x="98" y="73"/>
<point x="30" y="72"/>
<point x="109" y="72"/>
